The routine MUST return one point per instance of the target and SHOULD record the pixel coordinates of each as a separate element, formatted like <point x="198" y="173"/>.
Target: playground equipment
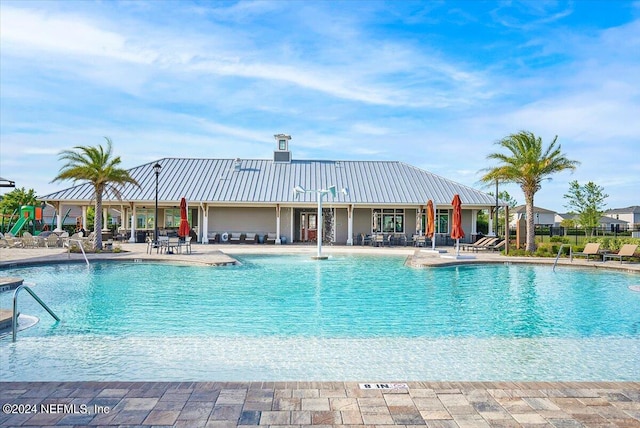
<point x="30" y="217"/>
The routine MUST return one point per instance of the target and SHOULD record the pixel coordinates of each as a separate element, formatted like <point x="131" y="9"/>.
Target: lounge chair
<point x="488" y="245"/>
<point x="482" y="244"/>
<point x="498" y="246"/>
<point x="235" y="237"/>
<point x="591" y="249"/>
<point x="478" y="243"/>
<point x="270" y="238"/>
<point x="627" y="250"/>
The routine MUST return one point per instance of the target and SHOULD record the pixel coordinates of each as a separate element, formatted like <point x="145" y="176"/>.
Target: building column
<point x="293" y="224"/>
<point x="205" y="224"/>
<point x="58" y="208"/>
<point x="132" y="238"/>
<point x="84" y="217"/>
<point x="474" y="222"/>
<point x="350" y="224"/>
<point x="278" y="241"/>
<point x="105" y="219"/>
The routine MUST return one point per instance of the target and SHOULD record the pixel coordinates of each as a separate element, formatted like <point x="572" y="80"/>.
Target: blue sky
<point x="434" y="84"/>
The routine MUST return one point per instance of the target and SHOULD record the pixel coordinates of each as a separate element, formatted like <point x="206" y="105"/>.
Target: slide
<point x="16" y="227"/>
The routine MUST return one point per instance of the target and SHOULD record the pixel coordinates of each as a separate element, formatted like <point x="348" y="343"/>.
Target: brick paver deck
<point x="216" y="404"/>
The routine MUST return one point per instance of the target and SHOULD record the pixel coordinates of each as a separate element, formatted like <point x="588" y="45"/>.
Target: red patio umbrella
<point x="431" y="222"/>
<point x="456" y="227"/>
<point x="184" y="228"/>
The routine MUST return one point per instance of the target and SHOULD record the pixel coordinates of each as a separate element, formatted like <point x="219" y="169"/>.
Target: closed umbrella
<point x="456" y="227"/>
<point x="431" y="223"/>
<point x="184" y="228"/>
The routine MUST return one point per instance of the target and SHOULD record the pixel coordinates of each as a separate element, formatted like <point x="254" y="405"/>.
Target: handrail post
<point x="558" y="256"/>
<point x="15" y="307"/>
<point x="81" y="249"/>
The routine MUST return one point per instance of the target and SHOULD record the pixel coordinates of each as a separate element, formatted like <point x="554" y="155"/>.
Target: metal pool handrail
<point x="79" y="241"/>
<point x="15" y="306"/>
<point x="558" y="255"/>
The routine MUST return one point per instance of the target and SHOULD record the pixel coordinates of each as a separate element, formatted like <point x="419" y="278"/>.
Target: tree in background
<point x="100" y="168"/>
<point x="587" y="202"/>
<point x="527" y="163"/>
<point x="13" y="200"/>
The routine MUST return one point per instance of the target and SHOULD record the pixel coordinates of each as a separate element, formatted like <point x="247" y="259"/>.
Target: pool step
<point x="6" y="316"/>
<point x="8" y="283"/>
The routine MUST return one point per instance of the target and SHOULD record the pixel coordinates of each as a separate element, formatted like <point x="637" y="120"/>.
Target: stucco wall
<point x="362" y="221"/>
<point x="242" y="219"/>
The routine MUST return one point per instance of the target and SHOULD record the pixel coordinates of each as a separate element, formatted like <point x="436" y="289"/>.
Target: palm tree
<point x="97" y="166"/>
<point x="527" y="164"/>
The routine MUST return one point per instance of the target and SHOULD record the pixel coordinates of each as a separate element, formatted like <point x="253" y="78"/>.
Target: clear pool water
<point x="347" y="318"/>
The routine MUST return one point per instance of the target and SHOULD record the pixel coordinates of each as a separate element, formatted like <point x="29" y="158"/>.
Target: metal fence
<point x="579" y="236"/>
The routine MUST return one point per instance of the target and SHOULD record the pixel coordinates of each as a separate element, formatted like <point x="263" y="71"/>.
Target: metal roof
<point x="263" y="181"/>
<point x="634" y="209"/>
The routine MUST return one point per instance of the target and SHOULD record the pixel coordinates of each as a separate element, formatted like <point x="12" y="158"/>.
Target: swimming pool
<point x="347" y="318"/>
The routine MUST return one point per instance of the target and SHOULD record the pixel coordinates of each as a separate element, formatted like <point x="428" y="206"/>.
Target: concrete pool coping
<point x="223" y="254"/>
<point x="227" y="404"/>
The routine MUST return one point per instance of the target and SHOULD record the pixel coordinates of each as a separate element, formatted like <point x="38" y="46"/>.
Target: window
<point x="442" y="222"/>
<point x="172" y="217"/>
<point x="388" y="221"/>
<point x="144" y="219"/>
<point x="282" y="144"/>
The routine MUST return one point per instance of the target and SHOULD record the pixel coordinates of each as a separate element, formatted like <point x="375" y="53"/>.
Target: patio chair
<point x="13" y="242"/>
<point x="250" y="238"/>
<point x="378" y="240"/>
<point x="591" y="249"/>
<point x="186" y="244"/>
<point x="419" y="240"/>
<point x="163" y="244"/>
<point x="28" y="240"/>
<point x="52" y="241"/>
<point x="235" y="237"/>
<point x="627" y="250"/>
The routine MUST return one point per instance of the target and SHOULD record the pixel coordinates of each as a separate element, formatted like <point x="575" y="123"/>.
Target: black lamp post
<point x="157" y="167"/>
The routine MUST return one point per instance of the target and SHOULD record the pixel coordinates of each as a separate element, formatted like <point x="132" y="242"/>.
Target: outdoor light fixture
<point x="298" y="190"/>
<point x="156" y="168"/>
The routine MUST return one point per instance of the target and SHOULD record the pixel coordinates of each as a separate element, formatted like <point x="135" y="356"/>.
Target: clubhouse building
<point x="256" y="196"/>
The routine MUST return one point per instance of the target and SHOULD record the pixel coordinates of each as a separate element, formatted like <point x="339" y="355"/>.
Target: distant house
<point x="606" y="223"/>
<point x="541" y="216"/>
<point x="631" y="215"/>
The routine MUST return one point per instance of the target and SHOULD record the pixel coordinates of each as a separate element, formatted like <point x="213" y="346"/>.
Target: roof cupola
<point x="282" y="153"/>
